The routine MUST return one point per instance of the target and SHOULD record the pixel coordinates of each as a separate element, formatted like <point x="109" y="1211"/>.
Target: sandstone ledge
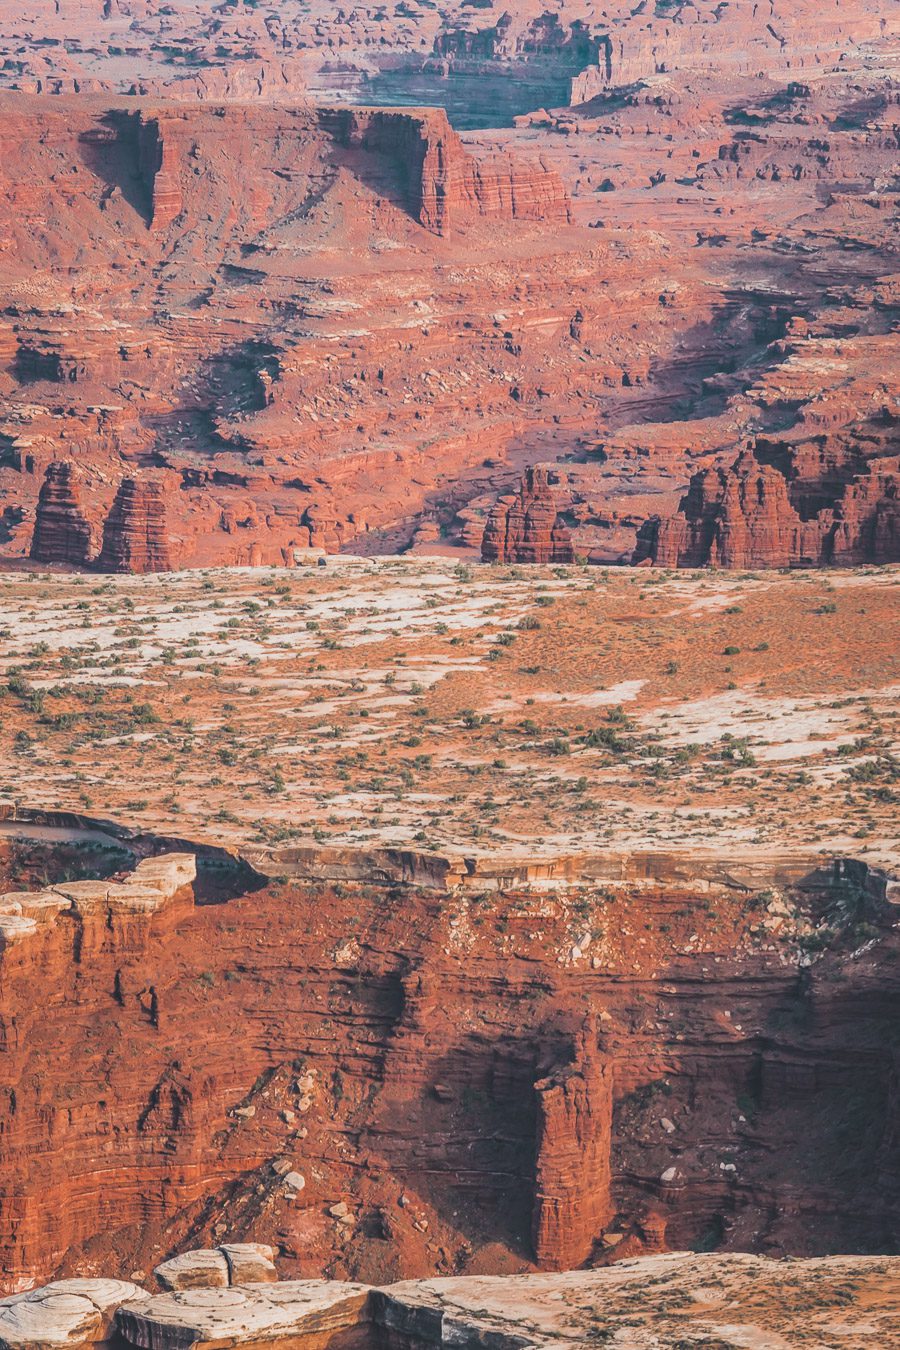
<point x="735" y="869"/>
<point x="152" y="885"/>
<point x="733" y="1301"/>
<point x="448" y="872"/>
<point x="65" y="1313"/>
<point x="302" y="1311"/>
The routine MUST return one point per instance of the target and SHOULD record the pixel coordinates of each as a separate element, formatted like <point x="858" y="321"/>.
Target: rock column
<point x="572" y="1200"/>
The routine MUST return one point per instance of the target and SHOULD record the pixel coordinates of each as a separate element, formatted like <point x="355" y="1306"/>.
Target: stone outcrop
<point x="414" y="155"/>
<point x="62" y="532"/>
<point x="152" y="886"/>
<point x="572" y="1188"/>
<point x="250" y="1262"/>
<point x="442" y="184"/>
<point x="232" y="1263"/>
<point x="742" y="1300"/>
<point x="135" y="533"/>
<point x="160" y="166"/>
<point x="735" y="517"/>
<point x="301" y="1313"/>
<point x="742" y="516"/>
<point x="529" y="528"/>
<point x="65" y="1314"/>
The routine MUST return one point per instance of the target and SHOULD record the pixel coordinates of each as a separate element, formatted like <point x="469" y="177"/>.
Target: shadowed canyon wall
<point x="470" y="1076"/>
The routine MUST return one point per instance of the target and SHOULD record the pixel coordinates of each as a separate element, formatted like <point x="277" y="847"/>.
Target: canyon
<point x="302" y="321"/>
<point x="401" y="989"/>
<point x="449" y="753"/>
<point x="398" y="1079"/>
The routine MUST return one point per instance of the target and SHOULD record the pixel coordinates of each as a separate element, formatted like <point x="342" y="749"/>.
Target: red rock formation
<point x="443" y="185"/>
<point x="735" y="517"/>
<point x="160" y="168"/>
<point x="742" y="516"/>
<point x="572" y="1189"/>
<point x="62" y="532"/>
<point x="341" y="1030"/>
<point x="135" y="534"/>
<point x="528" y="529"/>
<point x="208" y="345"/>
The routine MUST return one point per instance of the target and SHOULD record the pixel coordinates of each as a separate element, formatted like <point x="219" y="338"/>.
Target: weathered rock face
<point x="62" y="532"/>
<point x="736" y="517"/>
<point x="68" y="1313"/>
<point x="193" y="199"/>
<point x="743" y="516"/>
<point x="444" y="186"/>
<point x="135" y="533"/>
<point x="246" y="55"/>
<point x="528" y="529"/>
<point x="280" y="1068"/>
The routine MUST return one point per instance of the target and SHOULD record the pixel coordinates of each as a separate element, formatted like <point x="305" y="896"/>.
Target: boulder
<point x="249" y="1262"/>
<point x="204" y="1268"/>
<point x="65" y="1313"/>
<point x="218" y="1267"/>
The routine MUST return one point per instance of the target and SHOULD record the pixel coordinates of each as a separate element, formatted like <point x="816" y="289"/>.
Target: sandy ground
<point x="494" y="710"/>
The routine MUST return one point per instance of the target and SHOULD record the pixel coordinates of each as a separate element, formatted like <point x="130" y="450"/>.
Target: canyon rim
<point x="449" y="758"/>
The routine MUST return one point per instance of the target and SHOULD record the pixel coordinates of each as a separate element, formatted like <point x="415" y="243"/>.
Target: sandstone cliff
<point x="444" y="186"/>
<point x="743" y="516"/>
<point x="285" y="1064"/>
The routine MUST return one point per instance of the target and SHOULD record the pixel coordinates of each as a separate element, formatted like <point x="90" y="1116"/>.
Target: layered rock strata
<point x="529" y="528"/>
<point x="62" y="532"/>
<point x="742" y="516"/>
<point x="197" y="51"/>
<point x="443" y="186"/>
<point x="135" y="533"/>
<point x="453" y="328"/>
<point x="737" y="1300"/>
<point x="295" y="1077"/>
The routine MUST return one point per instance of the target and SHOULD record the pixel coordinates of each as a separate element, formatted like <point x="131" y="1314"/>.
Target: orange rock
<point x="62" y="532"/>
<point x="135" y="537"/>
<point x="529" y="529"/>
